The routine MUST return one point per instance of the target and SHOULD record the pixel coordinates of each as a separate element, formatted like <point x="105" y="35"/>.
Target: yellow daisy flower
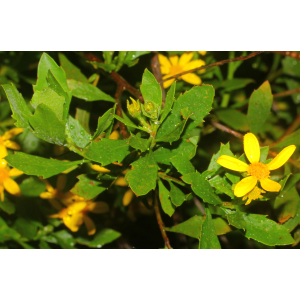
<point x="257" y="171"/>
<point x="6" y="182"/>
<point x="254" y="195"/>
<point x="5" y="141"/>
<point x="175" y="65"/>
<point x="76" y="213"/>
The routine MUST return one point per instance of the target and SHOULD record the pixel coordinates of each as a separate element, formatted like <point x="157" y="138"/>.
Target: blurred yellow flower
<point x="6" y="182"/>
<point x="202" y="52"/>
<point x="254" y="195"/>
<point x="5" y="141"/>
<point x="175" y="65"/>
<point x="257" y="171"/>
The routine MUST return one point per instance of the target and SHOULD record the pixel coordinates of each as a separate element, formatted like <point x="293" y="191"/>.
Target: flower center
<point x="259" y="170"/>
<point x="3" y="174"/>
<point x="176" y="69"/>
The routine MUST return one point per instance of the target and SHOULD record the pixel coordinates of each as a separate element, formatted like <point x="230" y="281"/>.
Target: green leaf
<point x="164" y="197"/>
<point x="151" y="89"/>
<point x="25" y="227"/>
<point x="19" y="107"/>
<point x="182" y="164"/>
<point x="181" y="147"/>
<point x="107" y="151"/>
<point x="259" y="108"/>
<point x="264" y="153"/>
<point x="64" y="239"/>
<point x="7" y="233"/>
<point x="169" y="102"/>
<point x="222" y="185"/>
<point x="261" y="229"/>
<point x="51" y="99"/>
<point x="101" y="238"/>
<point x="140" y="181"/>
<point x="32" y="187"/>
<point x="7" y="206"/>
<point x="192" y="227"/>
<point x="129" y="123"/>
<point x="291" y="139"/>
<point x="202" y="188"/>
<point x="139" y="143"/>
<point x="291" y="66"/>
<point x="221" y="226"/>
<point x="174" y="134"/>
<point x="108" y="55"/>
<point x="176" y="195"/>
<point x="293" y="222"/>
<point x="199" y="101"/>
<point x="133" y="55"/>
<point x="233" y="118"/>
<point x="90" y="187"/>
<point x="45" y="64"/>
<point x="105" y="67"/>
<point x="87" y="91"/>
<point x="104" y="122"/>
<point x="47" y="126"/>
<point x="72" y="72"/>
<point x="208" y="236"/>
<point x="39" y="166"/>
<point x="76" y="133"/>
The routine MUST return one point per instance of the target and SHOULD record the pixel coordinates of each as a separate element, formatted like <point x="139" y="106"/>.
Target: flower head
<point x="173" y="66"/>
<point x="5" y="141"/>
<point x="135" y="108"/>
<point x="257" y="171"/>
<point x="6" y="182"/>
<point x="254" y="195"/>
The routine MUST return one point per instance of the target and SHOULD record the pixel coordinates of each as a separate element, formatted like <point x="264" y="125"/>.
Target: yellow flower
<point x="173" y="66"/>
<point x="134" y="108"/>
<point x="253" y="195"/>
<point x="52" y="194"/>
<point x="6" y="143"/>
<point x="202" y="52"/>
<point x="6" y="182"/>
<point x="257" y="171"/>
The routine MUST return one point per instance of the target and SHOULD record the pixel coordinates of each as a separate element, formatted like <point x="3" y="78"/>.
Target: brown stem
<point x="228" y="130"/>
<point x="117" y="78"/>
<point x="293" y="54"/>
<point x="286" y="93"/>
<point x="161" y="223"/>
<point x="155" y="66"/>
<point x="122" y="126"/>
<point x="218" y="63"/>
<point x="169" y="178"/>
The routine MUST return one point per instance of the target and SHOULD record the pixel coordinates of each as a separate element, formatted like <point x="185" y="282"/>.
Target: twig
<point x="199" y="205"/>
<point x="117" y="78"/>
<point x="218" y="63"/>
<point x="288" y="53"/>
<point x="286" y="93"/>
<point x="228" y="130"/>
<point x="155" y="66"/>
<point x="118" y="95"/>
<point x="169" y="178"/>
<point x="161" y="223"/>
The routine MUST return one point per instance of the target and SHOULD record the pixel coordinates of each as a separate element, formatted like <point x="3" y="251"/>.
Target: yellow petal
<point x="76" y="207"/>
<point x="48" y="185"/>
<point x="127" y="198"/>
<point x="202" y="52"/>
<point x="11" y="145"/>
<point x="100" y="169"/>
<point x="1" y="192"/>
<point x="89" y="224"/>
<point x="282" y="157"/>
<point x="168" y="82"/>
<point x="11" y="133"/>
<point x="61" y="182"/>
<point x="270" y="185"/>
<point x="251" y="147"/>
<point x="121" y="182"/>
<point x="164" y="64"/>
<point x="3" y="163"/>
<point x="114" y="135"/>
<point x="46" y="195"/>
<point x="245" y="186"/>
<point x="73" y="222"/>
<point x="15" y="172"/>
<point x="12" y="187"/>
<point x="194" y="64"/>
<point x="185" y="58"/>
<point x="232" y="163"/>
<point x="3" y="151"/>
<point x="99" y="207"/>
<point x="174" y="60"/>
<point x="191" y="78"/>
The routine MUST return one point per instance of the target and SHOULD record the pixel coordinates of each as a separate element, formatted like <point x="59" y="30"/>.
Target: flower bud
<point x="135" y="108"/>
